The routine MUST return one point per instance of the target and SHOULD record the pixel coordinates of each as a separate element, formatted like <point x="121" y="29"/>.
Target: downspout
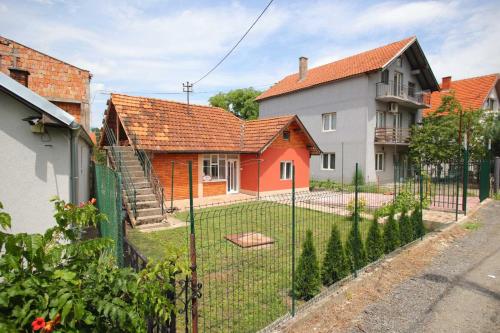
<point x="74" y="178"/>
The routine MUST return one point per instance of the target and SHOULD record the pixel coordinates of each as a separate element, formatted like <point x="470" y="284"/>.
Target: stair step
<point x="144" y="191"/>
<point x="148" y="211"/>
<point x="149" y="219"/>
<point x="147" y="204"/>
<point x="138" y="179"/>
<point x="142" y="184"/>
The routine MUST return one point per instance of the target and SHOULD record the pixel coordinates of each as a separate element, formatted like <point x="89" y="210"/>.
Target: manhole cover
<point x="249" y="239"/>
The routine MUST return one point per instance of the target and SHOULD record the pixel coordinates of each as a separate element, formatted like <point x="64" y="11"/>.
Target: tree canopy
<point x="241" y="102"/>
<point x="445" y="131"/>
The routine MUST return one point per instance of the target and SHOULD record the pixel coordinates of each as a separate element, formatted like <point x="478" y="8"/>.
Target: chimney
<point x="446" y="83"/>
<point x="302" y="68"/>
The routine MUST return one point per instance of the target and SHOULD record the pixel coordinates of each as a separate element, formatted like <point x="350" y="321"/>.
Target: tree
<point x="241" y="102"/>
<point x="335" y="266"/>
<point x="418" y="224"/>
<point x="374" y="242"/>
<point x="405" y="228"/>
<point x="307" y="280"/>
<point x="439" y="139"/>
<point x="391" y="234"/>
<point x="355" y="249"/>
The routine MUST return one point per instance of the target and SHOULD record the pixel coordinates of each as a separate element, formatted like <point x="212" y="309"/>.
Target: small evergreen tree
<point x="405" y="228"/>
<point x="374" y="242"/>
<point x="391" y="234"/>
<point x="307" y="280"/>
<point x="335" y="266"/>
<point x="418" y="224"/>
<point x="355" y="249"/>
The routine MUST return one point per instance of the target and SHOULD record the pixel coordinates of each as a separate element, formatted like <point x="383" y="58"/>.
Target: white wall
<point x="84" y="154"/>
<point x="33" y="168"/>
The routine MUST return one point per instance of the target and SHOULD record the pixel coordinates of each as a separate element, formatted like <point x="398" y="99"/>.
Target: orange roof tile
<point x="364" y="62"/>
<point x="163" y="125"/>
<point x="471" y="92"/>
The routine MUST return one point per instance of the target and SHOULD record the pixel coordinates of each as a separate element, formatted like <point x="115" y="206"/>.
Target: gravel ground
<point x="458" y="292"/>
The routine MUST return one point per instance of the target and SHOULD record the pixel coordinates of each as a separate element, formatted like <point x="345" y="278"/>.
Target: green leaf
<point x="64" y="275"/>
<point x="66" y="309"/>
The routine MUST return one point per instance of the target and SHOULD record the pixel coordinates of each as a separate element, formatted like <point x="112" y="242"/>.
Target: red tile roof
<point x="471" y="92"/>
<point x="169" y="126"/>
<point x="364" y="62"/>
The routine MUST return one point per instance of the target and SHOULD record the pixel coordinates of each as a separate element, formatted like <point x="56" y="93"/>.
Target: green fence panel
<point x="109" y="202"/>
<point x="484" y="180"/>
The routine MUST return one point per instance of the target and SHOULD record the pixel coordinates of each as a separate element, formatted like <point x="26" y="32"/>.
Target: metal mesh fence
<point x="109" y="202"/>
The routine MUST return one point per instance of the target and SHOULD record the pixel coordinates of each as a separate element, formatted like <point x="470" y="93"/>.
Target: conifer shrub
<point x="335" y="266"/>
<point x="307" y="280"/>
<point x="355" y="249"/>
<point x="391" y="234"/>
<point x="405" y="228"/>
<point x="374" y="242"/>
<point x="417" y="223"/>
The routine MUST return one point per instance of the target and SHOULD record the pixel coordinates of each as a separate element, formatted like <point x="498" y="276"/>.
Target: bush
<point x="361" y="207"/>
<point x="391" y="234"/>
<point x="405" y="229"/>
<point x="307" y="280"/>
<point x="335" y="266"/>
<point x="374" y="242"/>
<point x="355" y="249"/>
<point x="417" y="223"/>
<point x="58" y="281"/>
<point x="404" y="201"/>
<point x="359" y="176"/>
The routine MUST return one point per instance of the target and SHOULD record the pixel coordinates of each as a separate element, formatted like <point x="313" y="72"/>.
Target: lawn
<point x="245" y="289"/>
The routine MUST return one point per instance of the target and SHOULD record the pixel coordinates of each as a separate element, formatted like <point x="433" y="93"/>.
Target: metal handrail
<point x="386" y="89"/>
<point x="149" y="172"/>
<point x="127" y="182"/>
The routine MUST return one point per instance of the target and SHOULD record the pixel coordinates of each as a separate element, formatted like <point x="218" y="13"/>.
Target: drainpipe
<point x="73" y="186"/>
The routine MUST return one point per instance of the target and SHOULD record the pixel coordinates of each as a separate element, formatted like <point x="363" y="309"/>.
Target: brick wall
<point x="214" y="188"/>
<point x="49" y="77"/>
<point x="162" y="164"/>
<point x="73" y="109"/>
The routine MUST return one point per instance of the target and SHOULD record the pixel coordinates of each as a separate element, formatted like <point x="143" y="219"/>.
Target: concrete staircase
<point x="148" y="209"/>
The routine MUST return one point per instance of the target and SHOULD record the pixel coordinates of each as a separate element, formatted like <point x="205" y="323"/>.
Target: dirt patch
<point x="335" y="313"/>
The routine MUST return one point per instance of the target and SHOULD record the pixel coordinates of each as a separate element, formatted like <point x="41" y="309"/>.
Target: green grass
<point x="245" y="289"/>
<point x="473" y="225"/>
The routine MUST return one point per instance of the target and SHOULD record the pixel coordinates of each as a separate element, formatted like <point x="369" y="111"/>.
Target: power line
<point x="235" y="45"/>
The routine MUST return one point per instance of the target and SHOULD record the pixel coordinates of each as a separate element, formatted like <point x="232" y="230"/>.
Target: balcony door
<point x="398" y="84"/>
<point x="232" y="176"/>
<point x="397" y="120"/>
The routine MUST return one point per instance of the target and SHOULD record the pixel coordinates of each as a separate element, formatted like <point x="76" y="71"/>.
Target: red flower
<point x="38" y="323"/>
<point x="93" y="201"/>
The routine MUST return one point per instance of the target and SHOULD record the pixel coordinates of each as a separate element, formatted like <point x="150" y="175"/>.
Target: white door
<point x="398" y="84"/>
<point x="232" y="176"/>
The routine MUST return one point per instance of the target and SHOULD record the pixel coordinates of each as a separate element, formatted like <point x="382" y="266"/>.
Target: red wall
<point x="280" y="150"/>
<point x="162" y="164"/>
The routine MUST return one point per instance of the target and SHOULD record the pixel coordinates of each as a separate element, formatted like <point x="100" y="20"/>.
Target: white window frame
<point x="488" y="101"/>
<point x="381" y="115"/>
<point x="284" y="164"/>
<point x="220" y="163"/>
<point x="377" y="161"/>
<point x="328" y="156"/>
<point x="326" y="118"/>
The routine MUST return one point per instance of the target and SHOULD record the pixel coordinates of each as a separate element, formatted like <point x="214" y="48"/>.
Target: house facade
<point x="481" y="92"/>
<point x="358" y="109"/>
<point x="45" y="152"/>
<point x="64" y="85"/>
<point x="228" y="155"/>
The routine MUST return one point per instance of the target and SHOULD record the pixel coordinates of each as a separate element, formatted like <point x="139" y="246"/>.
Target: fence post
<point x="192" y="248"/>
<point x="172" y="189"/>
<point x="356" y="220"/>
<point x="293" y="240"/>
<point x="466" y="180"/>
<point x="421" y="192"/>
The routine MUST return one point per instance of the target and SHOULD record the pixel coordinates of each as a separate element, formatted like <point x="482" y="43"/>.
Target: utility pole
<point x="187" y="88"/>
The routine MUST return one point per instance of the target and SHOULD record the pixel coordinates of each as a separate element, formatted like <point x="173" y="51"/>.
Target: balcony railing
<point x="392" y="135"/>
<point x="397" y="92"/>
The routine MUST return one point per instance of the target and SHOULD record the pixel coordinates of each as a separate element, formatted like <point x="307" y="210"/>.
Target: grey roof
<point x="34" y="100"/>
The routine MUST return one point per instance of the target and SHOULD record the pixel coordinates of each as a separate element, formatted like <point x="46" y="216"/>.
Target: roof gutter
<point x="74" y="129"/>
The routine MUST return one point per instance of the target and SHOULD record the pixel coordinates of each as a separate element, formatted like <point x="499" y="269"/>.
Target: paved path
<point x="458" y="292"/>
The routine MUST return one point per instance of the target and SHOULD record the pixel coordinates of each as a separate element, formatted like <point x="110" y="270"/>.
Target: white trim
<point x="323" y="121"/>
<point x="383" y="162"/>
<point x="291" y="170"/>
<point x="400" y="52"/>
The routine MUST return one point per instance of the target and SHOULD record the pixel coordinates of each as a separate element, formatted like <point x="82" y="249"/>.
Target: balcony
<point x="390" y="135"/>
<point x="404" y="95"/>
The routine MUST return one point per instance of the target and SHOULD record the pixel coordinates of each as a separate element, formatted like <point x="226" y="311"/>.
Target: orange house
<point x="228" y="154"/>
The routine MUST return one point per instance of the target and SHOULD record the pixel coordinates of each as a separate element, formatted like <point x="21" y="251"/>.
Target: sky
<point x="150" y="47"/>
